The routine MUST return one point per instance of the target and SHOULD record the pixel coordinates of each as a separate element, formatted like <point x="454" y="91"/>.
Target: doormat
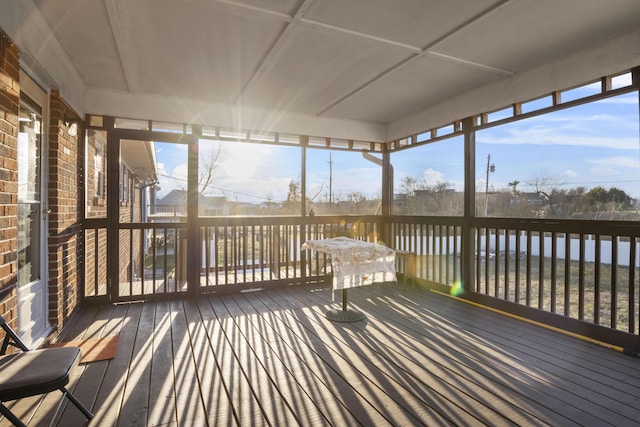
<point x="94" y="349"/>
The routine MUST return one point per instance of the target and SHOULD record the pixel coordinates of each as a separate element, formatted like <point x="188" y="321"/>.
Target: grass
<point x="545" y="293"/>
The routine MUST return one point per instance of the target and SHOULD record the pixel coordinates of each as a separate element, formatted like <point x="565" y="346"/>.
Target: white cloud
<point x="432" y="176"/>
<point x="542" y="136"/>
<point x="617" y="162"/>
<point x="571" y="173"/>
<point x="251" y="172"/>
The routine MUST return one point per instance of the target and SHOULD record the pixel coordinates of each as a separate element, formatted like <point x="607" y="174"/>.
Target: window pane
<point x="96" y="174"/>
<point x="341" y="182"/>
<point x="236" y="178"/>
<point x="580" y="163"/>
<point x="138" y="175"/>
<point x="429" y="179"/>
<point x="169" y="196"/>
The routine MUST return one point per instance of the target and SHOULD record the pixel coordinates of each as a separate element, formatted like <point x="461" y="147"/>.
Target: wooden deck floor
<point x="272" y="358"/>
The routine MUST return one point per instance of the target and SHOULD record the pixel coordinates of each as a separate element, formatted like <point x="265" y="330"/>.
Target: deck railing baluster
<point x="567" y="274"/>
<point x="581" y="274"/>
<point x="596" y="282"/>
<point x="614" y="282"/>
<point x="516" y="261"/>
<point x="553" y="281"/>
<point x="632" y="285"/>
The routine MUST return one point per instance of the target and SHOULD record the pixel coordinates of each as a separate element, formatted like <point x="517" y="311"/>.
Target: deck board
<point x="404" y="353"/>
<point x="272" y="358"/>
<point x="162" y="408"/>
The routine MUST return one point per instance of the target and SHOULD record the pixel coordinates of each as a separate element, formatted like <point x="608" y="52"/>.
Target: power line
<point x="225" y="190"/>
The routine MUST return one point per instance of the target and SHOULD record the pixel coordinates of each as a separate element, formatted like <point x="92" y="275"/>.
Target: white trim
<point x="181" y="110"/>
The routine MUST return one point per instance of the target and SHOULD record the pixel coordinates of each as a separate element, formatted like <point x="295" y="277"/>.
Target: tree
<point x="513" y="184"/>
<point x="294" y="197"/>
<point x="208" y="165"/>
<point x="356" y="197"/>
<point x="608" y="202"/>
<point x="408" y="185"/>
<point x="547" y="186"/>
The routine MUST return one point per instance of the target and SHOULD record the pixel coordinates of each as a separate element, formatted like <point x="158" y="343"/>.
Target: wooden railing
<point x="581" y="276"/>
<point x="235" y="253"/>
<point x="585" y="271"/>
<point x="436" y="241"/>
<point x="252" y="252"/>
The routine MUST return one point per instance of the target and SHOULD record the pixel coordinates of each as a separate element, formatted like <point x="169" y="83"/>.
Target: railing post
<point x="387" y="196"/>
<point x="304" y="226"/>
<point x="468" y="243"/>
<point x="113" y="211"/>
<point x="193" y="233"/>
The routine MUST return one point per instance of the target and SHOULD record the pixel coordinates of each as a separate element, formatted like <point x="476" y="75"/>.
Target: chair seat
<point x="36" y="372"/>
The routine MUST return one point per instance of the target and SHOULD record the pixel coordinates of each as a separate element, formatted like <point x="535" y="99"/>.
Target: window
<point x="99" y="170"/>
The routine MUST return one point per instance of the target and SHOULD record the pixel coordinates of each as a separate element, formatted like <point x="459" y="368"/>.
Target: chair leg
<point x="76" y="402"/>
<point x="9" y="415"/>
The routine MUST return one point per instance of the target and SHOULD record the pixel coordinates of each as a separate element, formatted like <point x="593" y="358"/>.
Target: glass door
<point x="33" y="324"/>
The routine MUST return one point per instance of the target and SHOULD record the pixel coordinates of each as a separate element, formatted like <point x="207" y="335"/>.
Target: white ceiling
<point x="359" y="63"/>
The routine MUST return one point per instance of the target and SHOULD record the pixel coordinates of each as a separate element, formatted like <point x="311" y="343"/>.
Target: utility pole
<point x="330" y="179"/>
<point x="490" y="168"/>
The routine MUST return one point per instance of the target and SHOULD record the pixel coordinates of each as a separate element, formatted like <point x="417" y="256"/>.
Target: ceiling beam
<point x="292" y="23"/>
<point x="429" y="50"/>
<point x="470" y="64"/>
<point x="361" y="35"/>
<point x="245" y="8"/>
<point x="281" y="42"/>
<point x="123" y="48"/>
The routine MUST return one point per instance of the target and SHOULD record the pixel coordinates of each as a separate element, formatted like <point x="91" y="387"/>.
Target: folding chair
<point x="30" y="373"/>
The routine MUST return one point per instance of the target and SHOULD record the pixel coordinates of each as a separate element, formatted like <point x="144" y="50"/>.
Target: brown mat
<point x="94" y="349"/>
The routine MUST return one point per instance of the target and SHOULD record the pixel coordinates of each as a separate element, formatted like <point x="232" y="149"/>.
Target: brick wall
<point x="63" y="197"/>
<point x="9" y="105"/>
<point x="95" y="261"/>
<point x="130" y="211"/>
<point x="65" y="230"/>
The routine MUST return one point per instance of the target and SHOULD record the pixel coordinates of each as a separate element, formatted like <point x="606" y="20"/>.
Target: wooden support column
<point x="468" y="240"/>
<point x="193" y="232"/>
<point x="387" y="194"/>
<point x="303" y="181"/>
<point x="304" y="228"/>
<point x="113" y="210"/>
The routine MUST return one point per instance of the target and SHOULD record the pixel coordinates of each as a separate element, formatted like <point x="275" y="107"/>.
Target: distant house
<point x="174" y="204"/>
<point x="530" y="198"/>
<point x="213" y="206"/>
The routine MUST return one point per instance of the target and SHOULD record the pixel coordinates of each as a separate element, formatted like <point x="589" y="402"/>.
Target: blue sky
<point x="591" y="145"/>
<point x="596" y="144"/>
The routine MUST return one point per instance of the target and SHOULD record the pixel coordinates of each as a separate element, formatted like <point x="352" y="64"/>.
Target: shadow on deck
<point x="272" y="358"/>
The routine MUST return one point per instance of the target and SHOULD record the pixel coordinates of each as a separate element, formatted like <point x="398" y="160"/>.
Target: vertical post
<point x="113" y="210"/>
<point x="486" y="187"/>
<point x="194" y="245"/>
<point x="330" y="179"/>
<point x="635" y="80"/>
<point x="303" y="180"/>
<point x="387" y="183"/>
<point x="387" y="195"/>
<point x="304" y="231"/>
<point x="468" y="241"/>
